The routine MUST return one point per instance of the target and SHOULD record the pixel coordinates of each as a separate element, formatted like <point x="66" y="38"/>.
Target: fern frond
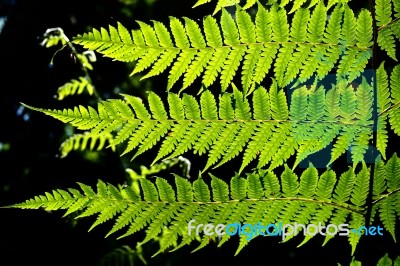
<point x="394" y="114"/>
<point x="388" y="203"/>
<point x="383" y="9"/>
<point x="81" y="141"/>
<point x="295" y="4"/>
<point x="231" y="45"/>
<point x="314" y="198"/>
<point x="75" y="87"/>
<point x="383" y="102"/>
<point x="229" y="129"/>
<point x="386" y="41"/>
<point x="385" y="261"/>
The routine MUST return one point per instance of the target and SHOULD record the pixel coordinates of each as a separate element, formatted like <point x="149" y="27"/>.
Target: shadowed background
<point x="29" y="145"/>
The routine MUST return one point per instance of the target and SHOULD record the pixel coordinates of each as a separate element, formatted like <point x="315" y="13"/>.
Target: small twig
<point x="382" y="197"/>
<point x="75" y="52"/>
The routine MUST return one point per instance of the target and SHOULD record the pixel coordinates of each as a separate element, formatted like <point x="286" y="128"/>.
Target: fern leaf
<point x="176" y="109"/>
<point x="195" y="36"/>
<point x="364" y="113"/>
<point x="261" y="104"/>
<point x="220" y="189"/>
<point x="233" y="62"/>
<point x="109" y="212"/>
<point x="165" y="190"/>
<point x="349" y="28"/>
<point x="279" y="107"/>
<point x="379" y="186"/>
<point x="361" y="187"/>
<point x="249" y="66"/>
<point x="280" y="31"/>
<point x="212" y="32"/>
<point x="386" y="42"/>
<point x="264" y="62"/>
<point x="384" y="261"/>
<point x="341" y="145"/>
<point x="298" y="34"/>
<point x="245" y="26"/>
<point x="209" y="135"/>
<point x="201" y="2"/>
<point x="197" y="67"/>
<point x="127" y="217"/>
<point x="178" y="132"/>
<point x="279" y="135"/>
<point x="355" y="224"/>
<point x="256" y="144"/>
<point x="80" y="142"/>
<point x="226" y="111"/>
<point x="149" y="190"/>
<point x="311" y="199"/>
<point x="137" y="137"/>
<point x="179" y="33"/>
<point x="138" y="106"/>
<point x="220" y="145"/>
<point x="152" y="138"/>
<point x="308" y="182"/>
<point x="394" y="115"/>
<point x="387" y="214"/>
<point x="332" y="36"/>
<point x="317" y="23"/>
<point x="254" y="187"/>
<point x="180" y="67"/>
<point x="159" y="222"/>
<point x="383" y="102"/>
<point x="250" y="3"/>
<point x="263" y="25"/>
<point x="296" y="5"/>
<point x="383" y="9"/>
<point x="364" y="29"/>
<point x="392" y="173"/>
<point x="200" y="191"/>
<point x="344" y="186"/>
<point x="141" y="221"/>
<point x="224" y="46"/>
<point x="165" y="60"/>
<point x="242" y="106"/>
<point x="225" y="131"/>
<point x="238" y="188"/>
<point x="215" y="66"/>
<point x="157" y="107"/>
<point x="184" y="189"/>
<point x="75" y="87"/>
<point x="229" y="29"/>
<point x="242" y="137"/>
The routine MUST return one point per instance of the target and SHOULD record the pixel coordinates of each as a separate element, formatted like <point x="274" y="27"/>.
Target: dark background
<point x="29" y="146"/>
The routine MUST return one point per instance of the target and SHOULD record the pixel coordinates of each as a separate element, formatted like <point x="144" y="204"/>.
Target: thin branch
<point x="127" y="201"/>
<point x="389" y="24"/>
<point x="382" y="197"/>
<point x="394" y="106"/>
<point x="76" y="54"/>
